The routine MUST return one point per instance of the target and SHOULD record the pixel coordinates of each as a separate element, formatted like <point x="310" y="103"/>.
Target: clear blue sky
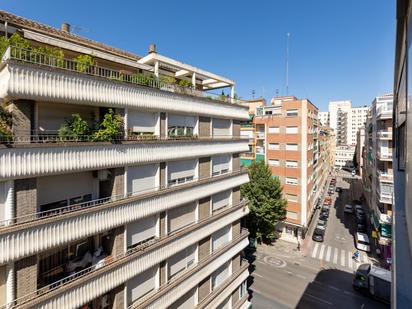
<point x="339" y="49"/>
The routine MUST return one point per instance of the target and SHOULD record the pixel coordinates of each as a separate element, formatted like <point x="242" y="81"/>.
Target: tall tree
<point x="266" y="203"/>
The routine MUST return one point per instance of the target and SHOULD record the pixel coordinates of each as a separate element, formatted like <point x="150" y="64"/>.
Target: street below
<point x="319" y="276"/>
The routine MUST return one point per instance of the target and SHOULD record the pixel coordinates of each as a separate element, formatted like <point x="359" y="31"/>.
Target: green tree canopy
<point x="266" y="203"/>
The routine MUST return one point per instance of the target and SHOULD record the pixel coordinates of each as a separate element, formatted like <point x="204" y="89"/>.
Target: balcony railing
<point x="383" y="134"/>
<point x="35" y="57"/>
<point x="384" y="175"/>
<point x="54" y="138"/>
<point x="249" y="155"/>
<point x="101" y="201"/>
<point x="110" y="260"/>
<point x="384" y="155"/>
<point x="384" y="111"/>
<point x="385" y="196"/>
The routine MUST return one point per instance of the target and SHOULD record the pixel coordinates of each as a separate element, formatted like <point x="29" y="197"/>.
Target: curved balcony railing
<point x="107" y="261"/>
<point x="35" y="57"/>
<point x="55" y="138"/>
<point x="102" y="201"/>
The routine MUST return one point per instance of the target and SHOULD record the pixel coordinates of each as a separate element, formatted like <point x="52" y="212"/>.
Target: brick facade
<point x="26" y="275"/>
<point x="25" y="191"/>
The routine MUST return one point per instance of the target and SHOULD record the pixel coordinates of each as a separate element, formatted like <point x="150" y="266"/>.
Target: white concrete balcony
<point x="173" y="290"/>
<point x="95" y="282"/>
<point x="384" y="176"/>
<point x="20" y="240"/>
<point x="384" y="111"/>
<point x="386" y="195"/>
<point x="35" y="160"/>
<point x="384" y="134"/>
<point x="384" y="155"/>
<point x="31" y="75"/>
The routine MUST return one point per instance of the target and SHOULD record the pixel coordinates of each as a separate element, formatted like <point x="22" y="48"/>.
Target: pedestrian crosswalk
<point x="337" y="256"/>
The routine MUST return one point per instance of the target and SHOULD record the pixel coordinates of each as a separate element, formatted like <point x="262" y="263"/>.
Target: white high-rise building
<point x="345" y="120"/>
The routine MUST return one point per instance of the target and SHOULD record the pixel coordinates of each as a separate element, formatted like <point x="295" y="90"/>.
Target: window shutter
<point x="220" y="275"/>
<point x="141" y="284"/>
<point x="220" y="238"/>
<point x="181" y="261"/>
<point x="141" y="230"/>
<point x="141" y="179"/>
<point x="221" y="199"/>
<point x="180" y="169"/>
<point x="181" y="216"/>
<point x="221" y="127"/>
<point x="141" y="122"/>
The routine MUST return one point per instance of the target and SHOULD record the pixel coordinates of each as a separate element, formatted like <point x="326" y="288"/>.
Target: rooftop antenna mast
<point x="287" y="63"/>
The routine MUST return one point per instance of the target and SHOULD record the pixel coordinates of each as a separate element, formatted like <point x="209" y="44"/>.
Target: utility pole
<point x="287" y="63"/>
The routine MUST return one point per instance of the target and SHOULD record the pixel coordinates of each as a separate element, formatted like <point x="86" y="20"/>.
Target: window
<point x="222" y="127"/>
<point x="141" y="284"/>
<point x="181" y="261"/>
<point x="291" y="164"/>
<point x="274" y="130"/>
<point x="220" y="275"/>
<point x="274" y="146"/>
<point x="292" y="197"/>
<point x="273" y="162"/>
<point x="221" y="164"/>
<point x="181" y="171"/>
<point x="221" y="238"/>
<point x="293" y="147"/>
<point x="243" y="289"/>
<point x="181" y="217"/>
<point x="140" y="231"/>
<point x="221" y="200"/>
<point x="179" y="125"/>
<point x="292" y="215"/>
<point x="141" y="179"/>
<point x="291" y="181"/>
<point x="291" y="130"/>
<point x="292" y="112"/>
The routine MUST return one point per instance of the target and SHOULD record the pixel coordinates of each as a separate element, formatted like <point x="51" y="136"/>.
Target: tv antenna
<point x="287" y="63"/>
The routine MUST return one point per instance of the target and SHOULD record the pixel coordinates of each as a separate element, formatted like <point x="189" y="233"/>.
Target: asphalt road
<point x="284" y="278"/>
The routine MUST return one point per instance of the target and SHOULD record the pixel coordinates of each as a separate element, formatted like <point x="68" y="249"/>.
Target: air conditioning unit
<point x="103" y="175"/>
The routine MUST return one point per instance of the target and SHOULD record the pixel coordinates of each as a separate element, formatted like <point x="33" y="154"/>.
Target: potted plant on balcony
<point x="110" y="128"/>
<point x="74" y="129"/>
<point x="5" y="124"/>
<point x="84" y="63"/>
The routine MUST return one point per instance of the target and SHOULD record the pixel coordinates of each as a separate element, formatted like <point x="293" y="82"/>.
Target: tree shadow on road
<point x="332" y="288"/>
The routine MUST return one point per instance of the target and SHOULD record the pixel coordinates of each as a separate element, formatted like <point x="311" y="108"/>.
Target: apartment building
<point x="345" y="120"/>
<point x="290" y="140"/>
<point x="360" y="149"/>
<point x="324" y="118"/>
<point x="119" y="177"/>
<point x="378" y="176"/>
<point x="402" y="146"/>
<point x="248" y="130"/>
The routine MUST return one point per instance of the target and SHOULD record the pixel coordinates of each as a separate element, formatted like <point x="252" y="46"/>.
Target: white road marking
<point x="328" y="253"/>
<point x="319" y="299"/>
<point x="257" y="275"/>
<point x="315" y="250"/>
<point x="335" y="256"/>
<point x="342" y="257"/>
<point x="322" y="249"/>
<point x="350" y="262"/>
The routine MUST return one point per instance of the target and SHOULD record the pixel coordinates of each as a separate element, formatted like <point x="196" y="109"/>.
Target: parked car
<point x="360" y="211"/>
<point x="318" y="234"/>
<point x="328" y="200"/>
<point x="353" y="173"/>
<point x="362" y="242"/>
<point x="323" y="216"/>
<point x="323" y="223"/>
<point x="325" y="209"/>
<point x="338" y="189"/>
<point x="361" y="228"/>
<point x="360" y="219"/>
<point x="348" y="209"/>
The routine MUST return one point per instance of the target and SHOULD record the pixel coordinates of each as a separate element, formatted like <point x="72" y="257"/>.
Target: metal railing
<point x="384" y="134"/>
<point x="147" y="80"/>
<point x="384" y="175"/>
<point x="41" y="215"/>
<point x="108" y="260"/>
<point x="55" y="138"/>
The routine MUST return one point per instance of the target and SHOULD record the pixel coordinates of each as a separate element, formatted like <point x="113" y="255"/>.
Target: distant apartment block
<point x="291" y="141"/>
<point x="345" y="120"/>
<point x="148" y="217"/>
<point x="248" y="130"/>
<point x="378" y="172"/>
<point x="324" y="118"/>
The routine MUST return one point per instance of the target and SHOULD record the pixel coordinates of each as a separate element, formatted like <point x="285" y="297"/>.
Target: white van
<point x="362" y="242"/>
